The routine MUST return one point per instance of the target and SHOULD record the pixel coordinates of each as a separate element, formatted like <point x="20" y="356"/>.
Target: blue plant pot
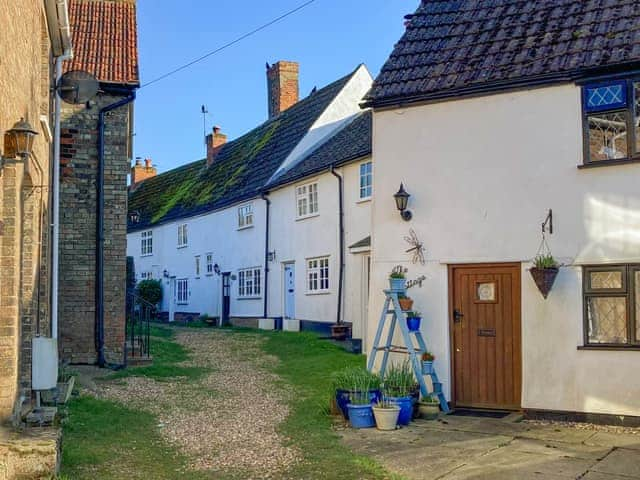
<point x="397" y="284"/>
<point x="427" y="367"/>
<point x="343" y="398"/>
<point x="406" y="408"/>
<point x="413" y="323"/>
<point x="361" y="416"/>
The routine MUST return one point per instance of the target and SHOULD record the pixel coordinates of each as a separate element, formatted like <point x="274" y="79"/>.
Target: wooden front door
<point x="486" y="335"/>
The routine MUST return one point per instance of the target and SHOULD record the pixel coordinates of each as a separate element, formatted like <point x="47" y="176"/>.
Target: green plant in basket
<point x="545" y="261"/>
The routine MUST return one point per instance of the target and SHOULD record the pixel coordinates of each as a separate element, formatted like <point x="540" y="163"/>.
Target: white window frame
<point x="209" y="261"/>
<point x="146" y="276"/>
<point x="307" y="200"/>
<point x="182" y="291"/>
<point x="250" y="282"/>
<point x="245" y="216"/>
<point x="197" y="265"/>
<point x="146" y="243"/>
<point x="317" y="277"/>
<point x="183" y="238"/>
<point x="366" y="180"/>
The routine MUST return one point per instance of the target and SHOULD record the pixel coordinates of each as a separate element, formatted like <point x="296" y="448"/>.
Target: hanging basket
<point x="544" y="278"/>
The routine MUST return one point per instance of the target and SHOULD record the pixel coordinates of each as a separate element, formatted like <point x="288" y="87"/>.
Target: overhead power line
<point x="229" y="44"/>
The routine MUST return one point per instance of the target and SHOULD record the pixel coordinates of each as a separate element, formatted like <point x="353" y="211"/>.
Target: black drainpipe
<point x="341" y="273"/>
<point x="131" y="95"/>
<point x="266" y="254"/>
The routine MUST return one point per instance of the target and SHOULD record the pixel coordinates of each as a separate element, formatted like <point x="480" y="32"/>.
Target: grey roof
<point x="240" y="170"/>
<point x="365" y="242"/>
<point x="458" y="47"/>
<point x="351" y="142"/>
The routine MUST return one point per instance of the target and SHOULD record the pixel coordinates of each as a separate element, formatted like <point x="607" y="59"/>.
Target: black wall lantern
<point x="134" y="217"/>
<point x="19" y="140"/>
<point x="402" y="201"/>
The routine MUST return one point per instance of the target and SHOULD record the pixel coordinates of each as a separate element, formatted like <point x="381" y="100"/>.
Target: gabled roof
<point x="104" y="39"/>
<point x="240" y="170"/>
<point x="350" y="143"/>
<point x="457" y="47"/>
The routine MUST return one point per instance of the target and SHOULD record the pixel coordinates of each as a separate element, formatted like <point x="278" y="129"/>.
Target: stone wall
<point x="79" y="162"/>
<point x="25" y="75"/>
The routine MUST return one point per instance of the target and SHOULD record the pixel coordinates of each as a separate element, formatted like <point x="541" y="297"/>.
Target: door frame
<point x="291" y="264"/>
<point x="450" y="282"/>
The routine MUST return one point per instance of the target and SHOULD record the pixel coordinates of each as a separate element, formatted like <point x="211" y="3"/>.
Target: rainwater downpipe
<point x="131" y="96"/>
<point x="67" y="54"/>
<point x="341" y="241"/>
<point x="266" y="253"/>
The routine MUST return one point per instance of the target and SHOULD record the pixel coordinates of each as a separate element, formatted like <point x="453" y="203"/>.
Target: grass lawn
<point x="107" y="440"/>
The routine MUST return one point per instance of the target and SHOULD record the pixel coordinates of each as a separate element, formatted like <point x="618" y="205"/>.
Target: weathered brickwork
<point x="25" y="75"/>
<point x="78" y="194"/>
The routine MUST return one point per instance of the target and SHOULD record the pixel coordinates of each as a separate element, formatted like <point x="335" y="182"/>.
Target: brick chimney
<point x="140" y="173"/>
<point x="282" y="85"/>
<point x="215" y="141"/>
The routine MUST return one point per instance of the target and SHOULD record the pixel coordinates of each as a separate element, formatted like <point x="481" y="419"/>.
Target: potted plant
<point x="406" y="303"/>
<point x="398" y="386"/>
<point x="360" y="407"/>
<point x="397" y="279"/>
<point x="429" y="408"/>
<point x="413" y="321"/>
<point x="343" y="385"/>
<point x="427" y="363"/>
<point x="544" y="272"/>
<point x="386" y="414"/>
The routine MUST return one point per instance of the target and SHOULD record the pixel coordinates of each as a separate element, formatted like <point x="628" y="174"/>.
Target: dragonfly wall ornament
<point x="417" y="247"/>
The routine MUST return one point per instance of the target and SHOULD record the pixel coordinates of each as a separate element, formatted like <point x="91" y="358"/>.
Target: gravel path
<point x="226" y="421"/>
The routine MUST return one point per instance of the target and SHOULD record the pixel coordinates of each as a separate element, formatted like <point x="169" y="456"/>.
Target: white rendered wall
<point x="482" y="174"/>
<point x="232" y="249"/>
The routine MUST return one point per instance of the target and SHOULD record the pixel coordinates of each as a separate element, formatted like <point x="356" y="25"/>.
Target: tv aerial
<point x="77" y="87"/>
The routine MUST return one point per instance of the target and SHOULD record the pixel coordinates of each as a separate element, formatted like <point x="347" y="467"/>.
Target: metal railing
<point x="139" y="316"/>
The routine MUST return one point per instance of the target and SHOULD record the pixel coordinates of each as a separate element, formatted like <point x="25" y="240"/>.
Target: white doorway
<point x="172" y="299"/>
<point x="289" y="290"/>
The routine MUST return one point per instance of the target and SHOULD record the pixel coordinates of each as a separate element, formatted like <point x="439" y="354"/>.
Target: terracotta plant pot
<point x="544" y="278"/>
<point x="386" y="418"/>
<point x="406" y="303"/>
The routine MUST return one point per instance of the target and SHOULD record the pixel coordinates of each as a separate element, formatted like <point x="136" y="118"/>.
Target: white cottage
<point x="220" y="240"/>
<point x="493" y="115"/>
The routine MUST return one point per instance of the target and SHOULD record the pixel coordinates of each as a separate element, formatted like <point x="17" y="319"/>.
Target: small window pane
<point x="606" y="97"/>
<point x="607" y="136"/>
<point x="486" y="292"/>
<point x="607" y="317"/>
<point x="606" y="280"/>
<point x="636" y="121"/>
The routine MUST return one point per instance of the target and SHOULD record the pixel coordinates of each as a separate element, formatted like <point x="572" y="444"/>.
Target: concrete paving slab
<point x="560" y="449"/>
<point x="602" y="476"/>
<point x="558" y="434"/>
<point x="626" y="440"/>
<point x="620" y="461"/>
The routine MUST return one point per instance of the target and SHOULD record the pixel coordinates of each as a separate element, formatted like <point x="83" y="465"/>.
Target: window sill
<point x="364" y="200"/>
<point x="249" y="298"/>
<point x="182" y="246"/>
<point x="182" y="303"/>
<point x="246" y="227"/>
<point x="609" y="163"/>
<point x="147" y="255"/>
<point x="307" y="216"/>
<point x="321" y="292"/>
<point x="209" y="274"/>
<point x="618" y="348"/>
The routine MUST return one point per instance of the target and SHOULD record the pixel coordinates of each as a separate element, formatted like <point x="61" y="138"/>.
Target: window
<point x="249" y="283"/>
<point x="366" y="180"/>
<point x="182" y="235"/>
<point x="209" y="263"/>
<point x="245" y="216"/>
<point x="612" y="305"/>
<point x="146" y="276"/>
<point x="318" y="274"/>
<point x="611" y="121"/>
<point x="146" y="243"/>
<point x="197" y="258"/>
<point x="182" y="286"/>
<point x="307" y="200"/>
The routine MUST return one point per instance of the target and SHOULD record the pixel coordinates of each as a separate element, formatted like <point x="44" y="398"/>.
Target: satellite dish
<point x="77" y="87"/>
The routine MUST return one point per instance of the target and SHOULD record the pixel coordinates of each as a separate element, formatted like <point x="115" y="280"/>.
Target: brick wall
<point x="25" y="73"/>
<point x="79" y="160"/>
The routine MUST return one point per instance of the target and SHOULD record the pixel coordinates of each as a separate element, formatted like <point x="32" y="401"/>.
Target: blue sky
<point x="329" y="38"/>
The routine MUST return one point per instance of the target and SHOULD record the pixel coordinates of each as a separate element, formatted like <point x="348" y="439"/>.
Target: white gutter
<point x="67" y="54"/>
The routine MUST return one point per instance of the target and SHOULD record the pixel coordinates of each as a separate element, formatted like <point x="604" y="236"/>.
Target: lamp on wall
<point x="19" y="140"/>
<point x="165" y="273"/>
<point x="134" y="217"/>
<point x="402" y="201"/>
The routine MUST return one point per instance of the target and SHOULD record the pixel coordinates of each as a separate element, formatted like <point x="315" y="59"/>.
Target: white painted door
<point x="172" y="299"/>
<point x="289" y="291"/>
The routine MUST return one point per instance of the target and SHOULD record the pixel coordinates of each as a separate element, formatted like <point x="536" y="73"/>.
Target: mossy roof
<point x="239" y="172"/>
